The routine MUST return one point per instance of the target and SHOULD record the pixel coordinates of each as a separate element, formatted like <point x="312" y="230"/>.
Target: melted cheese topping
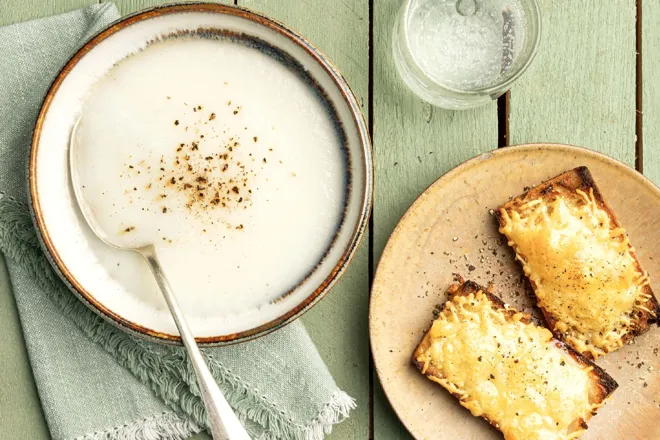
<point x="581" y="266"/>
<point x="508" y="371"/>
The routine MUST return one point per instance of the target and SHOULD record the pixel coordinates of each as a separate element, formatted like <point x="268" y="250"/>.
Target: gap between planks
<point x="371" y="263"/>
<point x="503" y="107"/>
<point x="639" y="144"/>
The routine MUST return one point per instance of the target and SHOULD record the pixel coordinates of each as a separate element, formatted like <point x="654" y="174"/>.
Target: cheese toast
<point x="587" y="280"/>
<point x="508" y="370"/>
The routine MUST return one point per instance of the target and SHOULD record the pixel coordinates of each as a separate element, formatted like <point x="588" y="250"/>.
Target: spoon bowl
<point x="85" y="208"/>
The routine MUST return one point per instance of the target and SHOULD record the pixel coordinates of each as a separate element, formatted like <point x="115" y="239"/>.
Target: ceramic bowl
<point x="128" y="297"/>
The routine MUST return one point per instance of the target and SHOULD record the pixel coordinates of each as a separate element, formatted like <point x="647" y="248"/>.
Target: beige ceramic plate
<point x="449" y="229"/>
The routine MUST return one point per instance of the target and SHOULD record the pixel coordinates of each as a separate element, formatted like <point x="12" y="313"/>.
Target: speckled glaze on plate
<point x="449" y="229"/>
<point x="66" y="238"/>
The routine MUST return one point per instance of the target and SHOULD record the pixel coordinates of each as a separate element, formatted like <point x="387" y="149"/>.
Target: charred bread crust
<point x="572" y="180"/>
<point x="460" y="288"/>
<point x="604" y="382"/>
<point x="577" y="178"/>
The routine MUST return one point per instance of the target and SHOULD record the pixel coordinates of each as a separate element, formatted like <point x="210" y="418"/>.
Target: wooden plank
<point x="580" y="89"/>
<point x="651" y="89"/>
<point x="338" y="325"/>
<point x="414" y="144"/>
<point x="129" y="6"/>
<point x="16" y="11"/>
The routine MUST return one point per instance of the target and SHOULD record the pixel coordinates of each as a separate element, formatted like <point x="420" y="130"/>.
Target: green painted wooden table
<point x="594" y="83"/>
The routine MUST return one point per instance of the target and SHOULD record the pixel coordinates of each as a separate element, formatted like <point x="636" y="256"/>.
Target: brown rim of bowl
<point x="358" y="119"/>
<point x="458" y="169"/>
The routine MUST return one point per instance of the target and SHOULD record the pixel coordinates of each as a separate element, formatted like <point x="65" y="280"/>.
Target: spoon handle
<point x="223" y="420"/>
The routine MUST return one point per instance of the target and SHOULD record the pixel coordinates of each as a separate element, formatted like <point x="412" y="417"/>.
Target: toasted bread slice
<point x="508" y="370"/>
<point x="587" y="280"/>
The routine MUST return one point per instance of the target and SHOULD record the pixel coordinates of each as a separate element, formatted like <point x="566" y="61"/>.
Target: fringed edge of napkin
<point x="19" y="243"/>
<point x="163" y="426"/>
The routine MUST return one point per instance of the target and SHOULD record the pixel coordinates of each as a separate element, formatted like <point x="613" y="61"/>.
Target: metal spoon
<point x="223" y="421"/>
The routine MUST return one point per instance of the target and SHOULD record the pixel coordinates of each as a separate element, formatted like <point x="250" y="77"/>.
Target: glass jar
<point x="460" y="54"/>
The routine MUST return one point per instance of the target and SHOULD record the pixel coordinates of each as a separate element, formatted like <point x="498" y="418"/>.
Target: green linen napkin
<point x="95" y="381"/>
